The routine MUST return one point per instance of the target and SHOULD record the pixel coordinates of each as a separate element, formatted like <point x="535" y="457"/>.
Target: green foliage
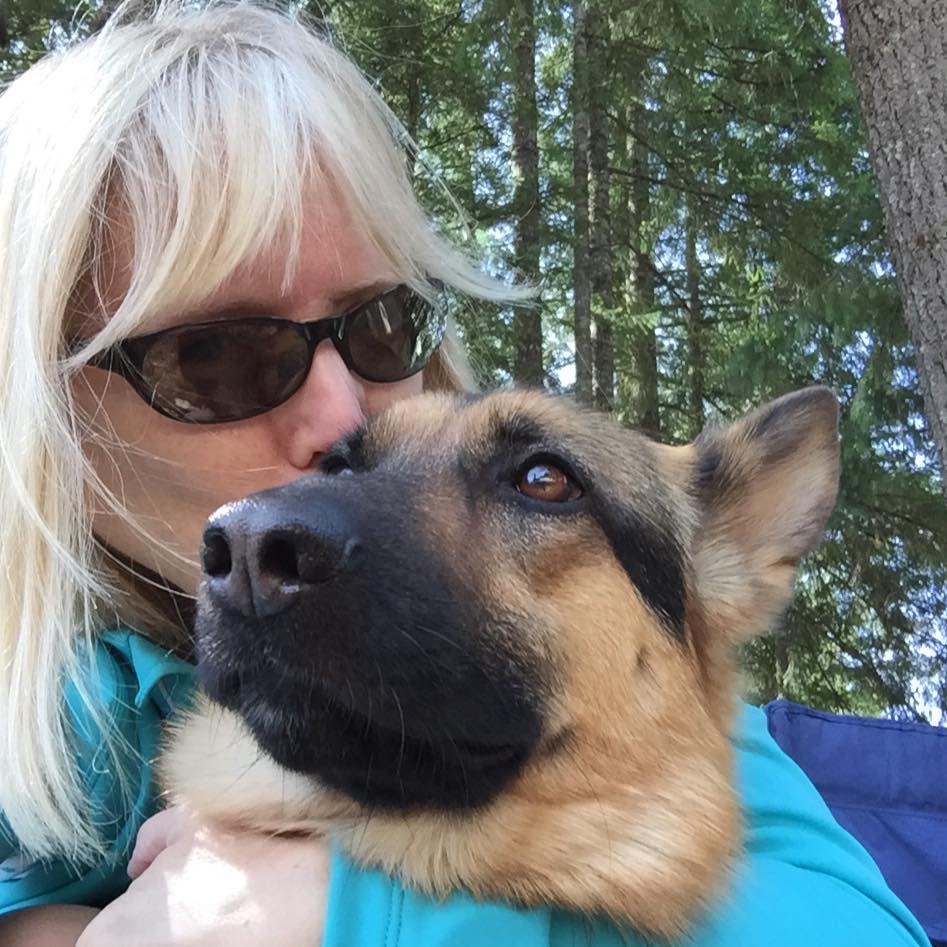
<point x="748" y="119"/>
<point x="30" y="28"/>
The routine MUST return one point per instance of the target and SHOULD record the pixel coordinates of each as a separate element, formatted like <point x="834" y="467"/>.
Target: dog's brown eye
<point x="543" y="481"/>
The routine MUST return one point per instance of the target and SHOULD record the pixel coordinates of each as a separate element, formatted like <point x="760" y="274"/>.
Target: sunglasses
<point x="213" y="372"/>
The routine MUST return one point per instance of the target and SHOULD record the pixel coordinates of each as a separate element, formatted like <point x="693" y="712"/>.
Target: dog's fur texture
<point x="524" y="698"/>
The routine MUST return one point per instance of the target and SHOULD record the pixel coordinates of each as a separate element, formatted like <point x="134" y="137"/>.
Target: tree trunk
<point x="898" y="50"/>
<point x="527" y="321"/>
<point x="695" y="318"/>
<point x="603" y="343"/>
<point x="580" y="179"/>
<point x="600" y="238"/>
<point x="639" y="283"/>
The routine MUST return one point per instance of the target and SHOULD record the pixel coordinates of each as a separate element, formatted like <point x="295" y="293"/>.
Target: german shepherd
<point x="490" y="646"/>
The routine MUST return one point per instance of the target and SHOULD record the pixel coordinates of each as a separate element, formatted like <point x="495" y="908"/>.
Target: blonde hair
<point x="205" y="122"/>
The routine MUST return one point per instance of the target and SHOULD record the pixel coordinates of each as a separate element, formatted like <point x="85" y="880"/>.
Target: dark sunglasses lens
<point x="225" y="372"/>
<point x="394" y="336"/>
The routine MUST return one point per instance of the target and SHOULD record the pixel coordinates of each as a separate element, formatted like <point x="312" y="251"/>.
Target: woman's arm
<point x="803" y="881"/>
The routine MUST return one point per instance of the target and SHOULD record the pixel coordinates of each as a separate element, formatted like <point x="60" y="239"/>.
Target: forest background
<point x="688" y="184"/>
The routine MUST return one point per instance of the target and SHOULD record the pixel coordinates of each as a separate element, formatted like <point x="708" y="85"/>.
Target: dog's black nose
<point x="258" y="558"/>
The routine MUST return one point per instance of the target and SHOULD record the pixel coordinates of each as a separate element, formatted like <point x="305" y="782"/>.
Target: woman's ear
<point x="765" y="487"/>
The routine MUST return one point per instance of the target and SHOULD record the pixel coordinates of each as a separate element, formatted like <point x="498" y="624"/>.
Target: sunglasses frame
<point x="126" y="358"/>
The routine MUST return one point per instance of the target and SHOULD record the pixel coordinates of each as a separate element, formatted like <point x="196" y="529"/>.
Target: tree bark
<point x="580" y="180"/>
<point x="527" y="321"/>
<point x="898" y="51"/>
<point x="695" y="318"/>
<point x="600" y="238"/>
<point x="639" y="283"/>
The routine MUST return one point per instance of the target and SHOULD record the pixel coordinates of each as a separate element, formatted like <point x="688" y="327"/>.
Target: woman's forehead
<point x="336" y="259"/>
<point x="335" y="265"/>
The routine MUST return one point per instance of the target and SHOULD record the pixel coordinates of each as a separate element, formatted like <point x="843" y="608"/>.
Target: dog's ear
<point x="765" y="486"/>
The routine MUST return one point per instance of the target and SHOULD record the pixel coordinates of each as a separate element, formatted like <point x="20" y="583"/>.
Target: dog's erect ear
<point x="766" y="486"/>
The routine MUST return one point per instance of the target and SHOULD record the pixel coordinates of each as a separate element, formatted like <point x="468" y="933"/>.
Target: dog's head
<point x="504" y="600"/>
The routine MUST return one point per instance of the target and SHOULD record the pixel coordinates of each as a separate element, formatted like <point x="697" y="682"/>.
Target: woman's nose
<point x="330" y="403"/>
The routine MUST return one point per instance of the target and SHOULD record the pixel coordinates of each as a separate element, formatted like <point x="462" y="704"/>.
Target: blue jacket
<point x="803" y="882"/>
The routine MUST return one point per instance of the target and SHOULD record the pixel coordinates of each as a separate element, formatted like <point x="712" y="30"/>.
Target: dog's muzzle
<point x="344" y="638"/>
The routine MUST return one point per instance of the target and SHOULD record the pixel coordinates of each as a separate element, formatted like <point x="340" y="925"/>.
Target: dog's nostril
<point x="278" y="559"/>
<point x="215" y="555"/>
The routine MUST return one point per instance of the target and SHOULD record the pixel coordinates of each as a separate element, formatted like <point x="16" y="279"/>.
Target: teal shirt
<point x="803" y="882"/>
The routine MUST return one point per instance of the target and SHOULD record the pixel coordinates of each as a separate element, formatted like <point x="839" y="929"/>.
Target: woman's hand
<point x="201" y="886"/>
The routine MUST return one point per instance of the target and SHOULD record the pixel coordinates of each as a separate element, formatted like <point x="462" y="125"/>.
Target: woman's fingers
<point x="155" y="835"/>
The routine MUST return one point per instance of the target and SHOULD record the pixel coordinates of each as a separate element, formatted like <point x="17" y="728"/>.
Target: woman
<point x="219" y="165"/>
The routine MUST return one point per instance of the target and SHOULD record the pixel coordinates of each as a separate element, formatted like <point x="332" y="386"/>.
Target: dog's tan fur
<point x="627" y="808"/>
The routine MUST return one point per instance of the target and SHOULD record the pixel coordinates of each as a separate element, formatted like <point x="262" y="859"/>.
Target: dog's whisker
<point x="425" y="652"/>
<point x="440" y="636"/>
<point x="404" y="734"/>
